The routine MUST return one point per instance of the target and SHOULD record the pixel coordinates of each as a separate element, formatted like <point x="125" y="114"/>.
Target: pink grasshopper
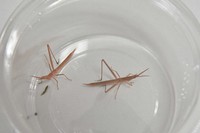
<point x="117" y="81"/>
<point x="54" y="71"/>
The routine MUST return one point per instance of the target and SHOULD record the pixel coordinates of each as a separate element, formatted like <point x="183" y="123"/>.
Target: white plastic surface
<point x="6" y="8"/>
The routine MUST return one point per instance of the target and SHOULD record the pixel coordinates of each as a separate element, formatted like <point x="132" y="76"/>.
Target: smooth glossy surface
<point x="131" y="36"/>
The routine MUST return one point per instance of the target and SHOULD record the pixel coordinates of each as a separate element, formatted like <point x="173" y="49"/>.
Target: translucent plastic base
<point x="131" y="36"/>
<point x="79" y="108"/>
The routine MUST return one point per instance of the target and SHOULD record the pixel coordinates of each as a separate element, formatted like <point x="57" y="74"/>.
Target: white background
<point x="8" y="6"/>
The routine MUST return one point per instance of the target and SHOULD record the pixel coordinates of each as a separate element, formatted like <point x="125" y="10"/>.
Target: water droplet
<point x="29" y="26"/>
<point x="39" y="13"/>
<point x="195" y="68"/>
<point x="33" y="12"/>
<point x="182" y="94"/>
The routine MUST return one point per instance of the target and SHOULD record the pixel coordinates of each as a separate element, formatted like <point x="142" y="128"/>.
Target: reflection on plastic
<point x="166" y="6"/>
<point x="12" y="41"/>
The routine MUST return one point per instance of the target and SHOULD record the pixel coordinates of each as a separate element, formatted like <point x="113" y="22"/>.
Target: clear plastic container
<point x="131" y="35"/>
